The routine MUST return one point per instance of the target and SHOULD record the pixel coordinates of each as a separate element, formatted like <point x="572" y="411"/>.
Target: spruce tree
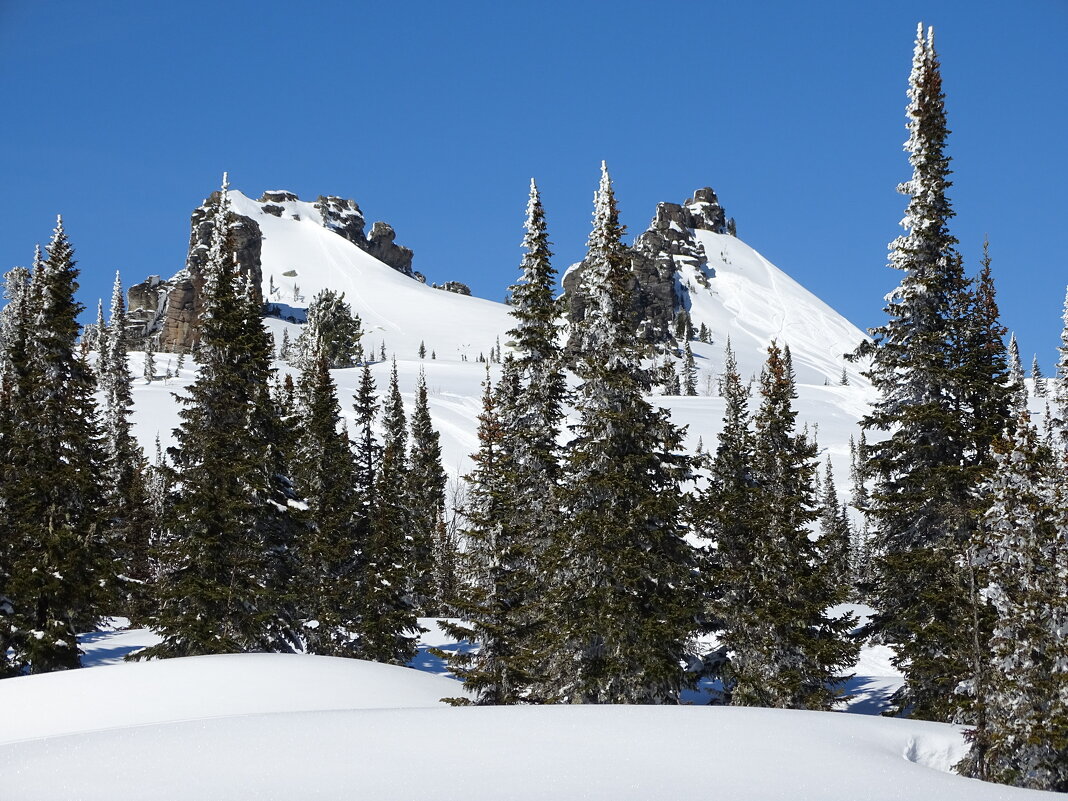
<point x="724" y="515"/>
<point x="494" y="603"/>
<point x="59" y="566"/>
<point x="332" y="554"/>
<point x="1037" y="377"/>
<point x="127" y="502"/>
<point x="925" y="366"/>
<point x="689" y="371"/>
<point x="788" y="652"/>
<point x="1022" y="738"/>
<point x="426" y="499"/>
<point x="225" y="554"/>
<point x="623" y="603"/>
<point x="1017" y="387"/>
<point x="836" y="535"/>
<point x="1060" y="384"/>
<point x="390" y="627"/>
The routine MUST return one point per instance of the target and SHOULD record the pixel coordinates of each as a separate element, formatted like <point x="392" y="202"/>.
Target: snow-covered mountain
<point x="728" y="286"/>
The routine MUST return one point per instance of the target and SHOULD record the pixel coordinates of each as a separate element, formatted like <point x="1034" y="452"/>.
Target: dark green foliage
<point x="623" y="603"/>
<point x="331" y="554"/>
<point x="53" y="544"/>
<point x="389" y="624"/>
<point x="786" y="651"/>
<point x="938" y="364"/>
<point x="226" y="552"/>
<point x="426" y="500"/>
<point x="494" y="604"/>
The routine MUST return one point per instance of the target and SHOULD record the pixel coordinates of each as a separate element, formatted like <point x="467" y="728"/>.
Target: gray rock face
<point x="655" y="258"/>
<point x="277" y="197"/>
<point x="342" y="217"/>
<point x="170" y="310"/>
<point x="380" y="244"/>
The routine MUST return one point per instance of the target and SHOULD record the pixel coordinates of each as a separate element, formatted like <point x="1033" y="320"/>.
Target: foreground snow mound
<point x="492" y="753"/>
<point x="198" y="687"/>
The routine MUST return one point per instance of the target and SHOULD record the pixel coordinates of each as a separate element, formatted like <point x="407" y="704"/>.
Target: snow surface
<point x="281" y="727"/>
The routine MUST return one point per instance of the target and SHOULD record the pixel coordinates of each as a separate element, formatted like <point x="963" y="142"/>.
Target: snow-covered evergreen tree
<point x="1021" y="545"/>
<point x="225" y="554"/>
<point x="59" y="567"/>
<point x="426" y="498"/>
<point x="623" y="605"/>
<point x="1038" y="378"/>
<point x="926" y="362"/>
<point x="332" y="331"/>
<point x="689" y="372"/>
<point x="1017" y="387"/>
<point x="390" y="628"/>
<point x="1060" y="384"/>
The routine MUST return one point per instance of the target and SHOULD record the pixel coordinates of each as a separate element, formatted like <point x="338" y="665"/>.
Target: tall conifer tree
<point x="426" y="499"/>
<point x="225" y="554"/>
<point x="390" y="627"/>
<point x="60" y="570"/>
<point x="624" y="604"/>
<point x="926" y="365"/>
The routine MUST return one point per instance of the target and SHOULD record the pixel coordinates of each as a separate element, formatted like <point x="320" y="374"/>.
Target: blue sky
<point x="433" y="116"/>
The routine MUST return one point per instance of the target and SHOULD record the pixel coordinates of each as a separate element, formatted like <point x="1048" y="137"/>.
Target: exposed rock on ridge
<point x="655" y="256"/>
<point x="170" y="310"/>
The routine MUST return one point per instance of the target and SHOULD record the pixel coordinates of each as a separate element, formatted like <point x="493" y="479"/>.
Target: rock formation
<point x="655" y="256"/>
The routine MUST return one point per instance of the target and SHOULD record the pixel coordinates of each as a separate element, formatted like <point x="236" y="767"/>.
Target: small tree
<point x="332" y="330"/>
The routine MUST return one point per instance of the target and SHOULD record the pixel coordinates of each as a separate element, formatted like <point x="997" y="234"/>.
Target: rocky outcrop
<point x="654" y="260"/>
<point x="169" y="311"/>
<point x="380" y="244"/>
<point x="343" y="217"/>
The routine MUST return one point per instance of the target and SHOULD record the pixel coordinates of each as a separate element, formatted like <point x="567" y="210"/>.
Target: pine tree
<point x="1022" y="738"/>
<point x="1017" y="387"/>
<point x="923" y="363"/>
<point x="59" y="567"/>
<point x="426" y="498"/>
<point x="225" y="554"/>
<point x="689" y="372"/>
<point x="623" y="602"/>
<point x="329" y="586"/>
<point x="788" y="652"/>
<point x="390" y="626"/>
<point x="494" y="602"/>
<point x="422" y="349"/>
<point x="1037" y="377"/>
<point x="127" y="501"/>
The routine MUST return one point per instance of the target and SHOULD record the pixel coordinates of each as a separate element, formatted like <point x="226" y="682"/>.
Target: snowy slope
<point x="742" y="295"/>
<point x="305" y="727"/>
<point x="302" y="257"/>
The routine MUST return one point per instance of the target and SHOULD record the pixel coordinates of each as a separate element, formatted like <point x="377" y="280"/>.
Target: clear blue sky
<point x="433" y="116"/>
